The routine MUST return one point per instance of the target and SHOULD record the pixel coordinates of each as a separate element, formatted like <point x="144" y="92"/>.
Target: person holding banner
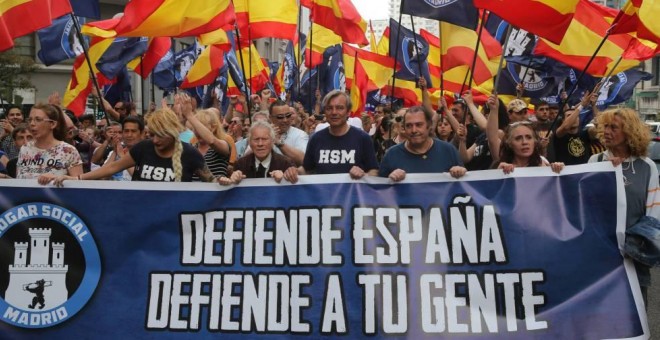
<point x="420" y="153"/>
<point x="340" y="148"/>
<point x="626" y="139"/>
<point x="47" y="155"/>
<point x="519" y="145"/>
<point x="162" y="158"/>
<point x="262" y="162"/>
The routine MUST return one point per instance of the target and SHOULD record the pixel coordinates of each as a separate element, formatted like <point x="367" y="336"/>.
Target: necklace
<point x="423" y="153"/>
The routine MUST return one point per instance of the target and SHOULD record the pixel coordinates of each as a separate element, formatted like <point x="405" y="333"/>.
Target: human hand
<point x="457" y="171"/>
<point x="291" y="175"/>
<point x="54" y="98"/>
<point x="356" y="172"/>
<point x="557" y="167"/>
<point x="506" y="167"/>
<point x="397" y="175"/>
<point x="467" y="96"/>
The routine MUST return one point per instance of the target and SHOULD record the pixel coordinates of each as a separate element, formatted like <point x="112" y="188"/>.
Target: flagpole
<point x="309" y="53"/>
<point x="248" y="98"/>
<point x="153" y="88"/>
<point x="442" y="76"/>
<point x="419" y="64"/>
<point x="563" y="102"/>
<point x="470" y="71"/>
<point x="522" y="80"/>
<point x="142" y="81"/>
<point x="396" y="54"/>
<point x="240" y="55"/>
<point x="95" y="82"/>
<point x="299" y="56"/>
<point x="499" y="68"/>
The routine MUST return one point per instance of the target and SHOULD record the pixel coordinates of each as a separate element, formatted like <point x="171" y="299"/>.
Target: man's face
<point x="119" y="107"/>
<point x="131" y="134"/>
<point x="281" y="117"/>
<point x="517" y="116"/>
<point x="15" y="116"/>
<point x="236" y="126"/>
<point x="112" y="131"/>
<point x="246" y="126"/>
<point x="458" y="112"/>
<point x="85" y="124"/>
<point x="336" y="112"/>
<point x="261" y="143"/>
<point x="417" y="130"/>
<point x="22" y="138"/>
<point x="543" y="113"/>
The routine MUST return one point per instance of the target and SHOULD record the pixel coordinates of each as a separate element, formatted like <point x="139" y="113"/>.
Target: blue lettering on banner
<point x="335" y="258"/>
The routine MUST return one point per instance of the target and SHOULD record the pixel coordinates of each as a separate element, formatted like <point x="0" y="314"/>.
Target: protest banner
<point x="532" y="255"/>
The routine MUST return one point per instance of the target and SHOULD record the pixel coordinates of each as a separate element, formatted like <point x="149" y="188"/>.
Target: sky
<point x="372" y="9"/>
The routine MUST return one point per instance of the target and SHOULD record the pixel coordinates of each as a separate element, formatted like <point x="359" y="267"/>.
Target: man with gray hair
<point x="340" y="148"/>
<point x="262" y="162"/>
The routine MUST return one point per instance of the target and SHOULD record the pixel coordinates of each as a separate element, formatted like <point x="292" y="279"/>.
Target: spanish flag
<point x="156" y="50"/>
<point x="80" y="85"/>
<point x="267" y="18"/>
<point x="166" y="18"/>
<point x="383" y="47"/>
<point x="377" y="69"/>
<point x="22" y="17"/>
<point x="405" y="90"/>
<point x="589" y="26"/>
<point x="639" y="16"/>
<point x="205" y="69"/>
<point x="546" y="18"/>
<point x="320" y="38"/>
<point x="256" y="73"/>
<point x="342" y="17"/>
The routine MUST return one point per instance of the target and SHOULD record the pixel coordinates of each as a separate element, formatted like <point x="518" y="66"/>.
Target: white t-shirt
<point x="33" y="161"/>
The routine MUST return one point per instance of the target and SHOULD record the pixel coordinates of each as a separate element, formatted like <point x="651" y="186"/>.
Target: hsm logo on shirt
<point x="337" y="157"/>
<point x="156" y="173"/>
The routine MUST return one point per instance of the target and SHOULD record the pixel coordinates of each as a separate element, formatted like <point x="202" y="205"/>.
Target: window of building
<point x="655" y="71"/>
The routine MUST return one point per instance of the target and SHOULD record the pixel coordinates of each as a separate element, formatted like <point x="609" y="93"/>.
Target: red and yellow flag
<point x="80" y="85"/>
<point x="267" y="18"/>
<point x="205" y="69"/>
<point x="342" y="17"/>
<point x="158" y="48"/>
<point x="22" y="17"/>
<point x="546" y="18"/>
<point x="166" y="18"/>
<point x="589" y="26"/>
<point x="639" y="16"/>
<point x="320" y="39"/>
<point x="256" y="72"/>
<point x="378" y="69"/>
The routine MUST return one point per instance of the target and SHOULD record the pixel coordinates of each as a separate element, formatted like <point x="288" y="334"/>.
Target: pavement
<point x="654" y="304"/>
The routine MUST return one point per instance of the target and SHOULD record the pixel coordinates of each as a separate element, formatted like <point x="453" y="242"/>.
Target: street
<point x="654" y="304"/>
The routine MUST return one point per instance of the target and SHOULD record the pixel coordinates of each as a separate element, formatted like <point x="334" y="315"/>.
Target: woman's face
<point x="444" y="129"/>
<point x="613" y="135"/>
<point x="40" y="125"/>
<point x="522" y="141"/>
<point x="163" y="143"/>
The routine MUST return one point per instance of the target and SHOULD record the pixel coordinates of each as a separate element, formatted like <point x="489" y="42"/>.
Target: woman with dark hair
<point x="443" y="130"/>
<point x="381" y="138"/>
<point x="47" y="155"/>
<point x="518" y="147"/>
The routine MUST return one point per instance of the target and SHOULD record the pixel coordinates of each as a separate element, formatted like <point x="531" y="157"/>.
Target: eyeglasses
<point x="39" y="120"/>
<point x="233" y="122"/>
<point x="282" y="116"/>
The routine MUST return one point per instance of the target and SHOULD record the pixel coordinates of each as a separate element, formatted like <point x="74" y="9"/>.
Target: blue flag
<point x="86" y="8"/>
<point x="120" y="90"/>
<point x="163" y="73"/>
<point x="620" y="87"/>
<point x="332" y="70"/>
<point x="183" y="61"/>
<point x="456" y="12"/>
<point x="411" y="55"/>
<point x="59" y="41"/>
<point x="119" y="53"/>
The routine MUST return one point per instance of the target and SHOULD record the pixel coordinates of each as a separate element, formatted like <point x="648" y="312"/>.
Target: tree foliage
<point x="15" y="72"/>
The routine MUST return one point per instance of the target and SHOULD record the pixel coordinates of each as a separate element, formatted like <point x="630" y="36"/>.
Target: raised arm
<point x="492" y="128"/>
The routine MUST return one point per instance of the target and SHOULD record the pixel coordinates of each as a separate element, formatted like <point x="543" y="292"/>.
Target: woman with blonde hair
<point x="162" y="158"/>
<point x="210" y="137"/>
<point x="626" y="139"/>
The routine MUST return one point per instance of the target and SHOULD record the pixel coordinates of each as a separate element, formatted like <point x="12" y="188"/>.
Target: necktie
<point x="261" y="171"/>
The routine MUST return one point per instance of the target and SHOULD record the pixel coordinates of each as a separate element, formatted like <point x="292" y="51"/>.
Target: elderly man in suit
<point x="262" y="162"/>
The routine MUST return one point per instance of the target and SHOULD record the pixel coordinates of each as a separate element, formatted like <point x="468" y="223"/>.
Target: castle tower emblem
<point x="39" y="283"/>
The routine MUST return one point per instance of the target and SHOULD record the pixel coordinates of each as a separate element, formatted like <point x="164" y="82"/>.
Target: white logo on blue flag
<point x="439" y="3"/>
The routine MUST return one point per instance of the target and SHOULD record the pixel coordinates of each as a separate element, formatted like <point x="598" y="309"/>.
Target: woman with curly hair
<point x="626" y="139"/>
<point x="162" y="158"/>
<point x="519" y="145"/>
<point x="47" y="155"/>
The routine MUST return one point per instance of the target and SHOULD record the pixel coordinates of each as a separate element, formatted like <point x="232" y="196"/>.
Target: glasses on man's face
<point x="282" y="117"/>
<point x="39" y="120"/>
<point x="234" y="122"/>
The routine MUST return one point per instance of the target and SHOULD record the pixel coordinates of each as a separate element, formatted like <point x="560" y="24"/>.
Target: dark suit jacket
<point x="277" y="162"/>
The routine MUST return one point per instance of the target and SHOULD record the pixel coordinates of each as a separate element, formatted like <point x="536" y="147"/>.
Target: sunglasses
<point x="283" y="116"/>
<point x="233" y="122"/>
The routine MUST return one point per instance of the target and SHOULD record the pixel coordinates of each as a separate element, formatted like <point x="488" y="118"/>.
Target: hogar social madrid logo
<point x="49" y="265"/>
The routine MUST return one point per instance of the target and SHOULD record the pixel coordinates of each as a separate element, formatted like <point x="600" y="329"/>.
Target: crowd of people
<point x="269" y="138"/>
